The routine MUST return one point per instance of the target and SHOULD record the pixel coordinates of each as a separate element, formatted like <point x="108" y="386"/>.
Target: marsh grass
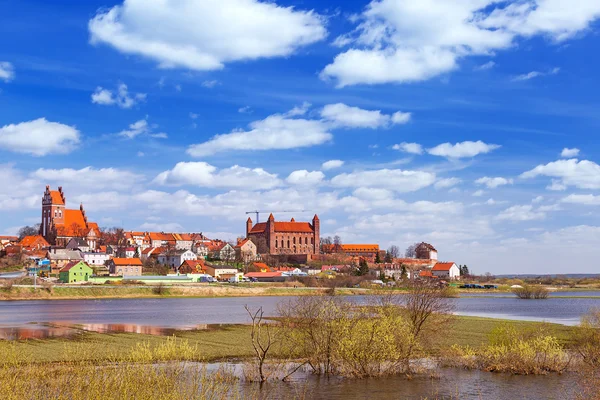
<point x="529" y="292"/>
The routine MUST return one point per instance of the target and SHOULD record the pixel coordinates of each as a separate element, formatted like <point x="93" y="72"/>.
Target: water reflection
<point x="36" y="332"/>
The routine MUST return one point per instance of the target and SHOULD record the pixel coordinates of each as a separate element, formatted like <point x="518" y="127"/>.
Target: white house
<point x="183" y="241"/>
<point x="446" y="270"/>
<point x="176" y="258"/>
<point x="245" y="250"/>
<point x="425" y="251"/>
<point x="201" y="249"/>
<point x="96" y="258"/>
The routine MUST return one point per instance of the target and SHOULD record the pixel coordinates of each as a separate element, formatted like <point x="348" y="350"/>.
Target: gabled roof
<point x="72" y="264"/>
<point x="127" y="261"/>
<point x="241" y="243"/>
<point x="261" y="266"/>
<point x="57" y="198"/>
<point x="443" y="266"/>
<point x="425" y="274"/>
<point x="34" y="240"/>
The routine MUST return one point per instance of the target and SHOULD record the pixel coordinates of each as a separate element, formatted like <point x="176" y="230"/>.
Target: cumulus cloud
<point x="245" y="110"/>
<point x="394" y="179"/>
<point x="142" y="127"/>
<point x="582" y="174"/>
<point x="204" y="35"/>
<point x="412" y="148"/>
<point x="521" y="213"/>
<point x="486" y="66"/>
<point x="462" y="150"/>
<point x="121" y="97"/>
<point x="585" y="199"/>
<point x="89" y="177"/>
<point x="446" y="183"/>
<point x="305" y="178"/>
<point x="7" y="71"/>
<point x="332" y="164"/>
<point x="39" y="137"/>
<point x="205" y="175"/>
<point x="569" y="153"/>
<point x="274" y="132"/>
<point x="493" y="183"/>
<point x="404" y="41"/>
<point x="342" y="115"/>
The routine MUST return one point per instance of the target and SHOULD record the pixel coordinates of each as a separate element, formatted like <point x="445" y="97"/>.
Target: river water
<point x="191" y="312"/>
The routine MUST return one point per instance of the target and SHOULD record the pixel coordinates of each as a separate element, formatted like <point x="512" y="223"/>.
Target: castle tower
<point x="248" y="226"/>
<point x="317" y="236"/>
<point x="271" y="233"/>
<point x="53" y="206"/>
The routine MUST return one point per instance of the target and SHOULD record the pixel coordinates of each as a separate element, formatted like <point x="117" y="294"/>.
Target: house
<point x="266" y="276"/>
<point x="125" y="266"/>
<point x="159" y="239"/>
<point x="262" y="267"/>
<point x="183" y="241"/>
<point x="175" y="258"/>
<point x="151" y="252"/>
<point x="4" y="240"/>
<point x="96" y="258"/>
<point x="221" y="251"/>
<point x="245" y="250"/>
<point x="425" y="251"/>
<point x="221" y="273"/>
<point x="78" y="244"/>
<point x="191" y="267"/>
<point x="128" y="252"/>
<point x="61" y="257"/>
<point x="425" y="274"/>
<point x="446" y="270"/>
<point x="35" y="242"/>
<point x="75" y="271"/>
<point x="200" y="249"/>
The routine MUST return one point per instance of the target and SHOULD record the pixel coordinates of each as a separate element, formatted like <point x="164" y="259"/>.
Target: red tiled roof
<point x="70" y="265"/>
<point x="36" y="240"/>
<point x="442" y="266"/>
<point x="242" y="242"/>
<point x="127" y="261"/>
<point x="9" y="238"/>
<point x="57" y="199"/>
<point x="425" y="274"/>
<point x="284" y="227"/>
<point x="355" y="248"/>
<point x="261" y="265"/>
<point x="73" y="221"/>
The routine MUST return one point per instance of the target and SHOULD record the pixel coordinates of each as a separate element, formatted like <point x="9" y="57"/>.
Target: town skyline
<point x="482" y="143"/>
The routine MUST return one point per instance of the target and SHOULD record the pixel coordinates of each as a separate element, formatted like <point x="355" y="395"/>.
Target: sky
<point x="471" y="125"/>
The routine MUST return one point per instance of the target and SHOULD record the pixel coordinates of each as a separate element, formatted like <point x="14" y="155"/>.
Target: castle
<point x="285" y="238"/>
<point x="59" y="224"/>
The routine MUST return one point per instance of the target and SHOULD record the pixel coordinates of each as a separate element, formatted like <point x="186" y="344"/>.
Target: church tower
<point x="53" y="207"/>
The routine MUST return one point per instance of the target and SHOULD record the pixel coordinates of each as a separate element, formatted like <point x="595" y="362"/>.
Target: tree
<point x="337" y="244"/>
<point x="29" y="231"/>
<point x="411" y="251"/>
<point x="261" y="338"/>
<point x="363" y="267"/>
<point x="394" y="251"/>
<point x="388" y="257"/>
<point x="403" y="273"/>
<point x="464" y="270"/>
<point x="326" y="245"/>
<point x="377" y="258"/>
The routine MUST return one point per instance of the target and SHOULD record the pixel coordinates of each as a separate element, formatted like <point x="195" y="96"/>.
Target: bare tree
<point x="337" y="244"/>
<point x="411" y="251"/>
<point x="29" y="231"/>
<point x="394" y="251"/>
<point x="326" y="245"/>
<point x="261" y="339"/>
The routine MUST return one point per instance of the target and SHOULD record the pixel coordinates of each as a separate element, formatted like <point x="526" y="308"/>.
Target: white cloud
<point x="7" y="71"/>
<point x="142" y="127"/>
<point x="556" y="185"/>
<point x="89" y="177"/>
<point x="121" y="97"/>
<point x="412" y="148"/>
<point x="521" y="213"/>
<point x="479" y="193"/>
<point x="537" y="199"/>
<point x="569" y="153"/>
<point x="446" y="183"/>
<point x="582" y="174"/>
<point x="205" y="175"/>
<point x="586" y="199"/>
<point x="39" y="137"/>
<point x="203" y="35"/>
<point x="462" y="150"/>
<point x="274" y="132"/>
<point x="193" y="115"/>
<point x="305" y="178"/>
<point x="535" y="74"/>
<point x="341" y="115"/>
<point x="161" y="227"/>
<point x="210" y="84"/>
<point x="299" y="110"/>
<point x="394" y="179"/>
<point x="245" y="110"/>
<point x="486" y="66"/>
<point x="407" y="41"/>
<point x="493" y="183"/>
<point x="331" y="164"/>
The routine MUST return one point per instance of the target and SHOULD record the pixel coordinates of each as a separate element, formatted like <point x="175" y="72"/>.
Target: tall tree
<point x="411" y="251"/>
<point x="388" y="257"/>
<point x="394" y="251"/>
<point x="377" y="258"/>
<point x="363" y="267"/>
<point x="337" y="244"/>
<point x="326" y="245"/>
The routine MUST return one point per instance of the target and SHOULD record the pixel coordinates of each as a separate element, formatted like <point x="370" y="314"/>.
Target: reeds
<point x="531" y="292"/>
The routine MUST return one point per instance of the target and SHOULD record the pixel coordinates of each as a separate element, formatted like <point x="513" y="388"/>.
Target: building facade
<point x="425" y="251"/>
<point x="285" y="238"/>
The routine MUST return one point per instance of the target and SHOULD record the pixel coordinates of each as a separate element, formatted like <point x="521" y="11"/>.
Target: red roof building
<point x="280" y="238"/>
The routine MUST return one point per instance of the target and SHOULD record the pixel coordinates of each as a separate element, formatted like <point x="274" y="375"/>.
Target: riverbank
<point x="140" y="292"/>
<point x="231" y="342"/>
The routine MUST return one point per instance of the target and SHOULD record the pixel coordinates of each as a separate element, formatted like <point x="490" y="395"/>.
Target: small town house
<point x="75" y="271"/>
<point x="125" y="267"/>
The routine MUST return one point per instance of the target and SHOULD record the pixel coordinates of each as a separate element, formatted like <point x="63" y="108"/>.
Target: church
<point x="285" y="238"/>
<point x="59" y="224"/>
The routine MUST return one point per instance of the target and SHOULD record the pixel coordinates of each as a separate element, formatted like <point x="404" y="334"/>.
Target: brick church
<point x="285" y="238"/>
<point x="59" y="224"/>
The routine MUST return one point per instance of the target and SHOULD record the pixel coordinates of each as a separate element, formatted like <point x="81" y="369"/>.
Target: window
<point x="294" y="240"/>
<point x="312" y="240"/>
<point x="288" y="243"/>
<point x="306" y="240"/>
<point x="276" y="242"/>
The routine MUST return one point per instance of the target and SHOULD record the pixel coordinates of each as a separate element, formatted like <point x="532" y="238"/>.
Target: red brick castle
<point x="285" y="238"/>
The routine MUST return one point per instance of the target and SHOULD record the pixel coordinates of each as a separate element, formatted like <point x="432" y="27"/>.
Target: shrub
<point x="587" y="339"/>
<point x="160" y="289"/>
<point x="531" y="292"/>
<point x="48" y="286"/>
<point x="6" y="284"/>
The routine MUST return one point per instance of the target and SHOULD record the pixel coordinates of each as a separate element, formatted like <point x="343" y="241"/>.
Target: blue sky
<point x="471" y="126"/>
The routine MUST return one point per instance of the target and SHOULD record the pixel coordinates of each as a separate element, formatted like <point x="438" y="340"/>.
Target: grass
<point x="231" y="342"/>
